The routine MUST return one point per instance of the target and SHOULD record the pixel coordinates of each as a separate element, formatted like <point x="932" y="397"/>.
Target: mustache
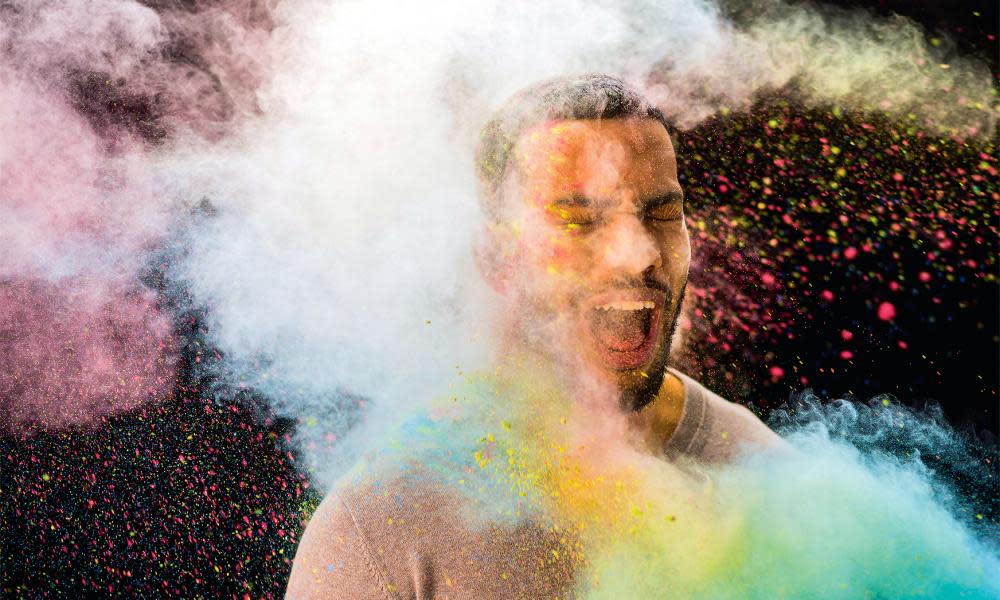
<point x="646" y="281"/>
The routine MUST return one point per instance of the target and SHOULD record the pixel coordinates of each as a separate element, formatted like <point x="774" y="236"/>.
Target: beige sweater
<point x="403" y="539"/>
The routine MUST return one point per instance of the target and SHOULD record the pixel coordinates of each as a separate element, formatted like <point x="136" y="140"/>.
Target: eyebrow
<point x="581" y="201"/>
<point x="674" y="197"/>
<point x="574" y="200"/>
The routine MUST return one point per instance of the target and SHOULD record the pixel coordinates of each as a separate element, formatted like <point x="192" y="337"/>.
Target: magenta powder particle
<point x="886" y="311"/>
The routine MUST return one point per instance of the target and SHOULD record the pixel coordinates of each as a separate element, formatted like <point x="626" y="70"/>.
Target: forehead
<point x="585" y="153"/>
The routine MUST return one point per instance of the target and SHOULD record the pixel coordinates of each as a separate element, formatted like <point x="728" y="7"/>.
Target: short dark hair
<point x="591" y="96"/>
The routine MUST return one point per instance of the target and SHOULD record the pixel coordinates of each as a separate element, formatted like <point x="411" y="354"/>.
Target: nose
<point x="630" y="248"/>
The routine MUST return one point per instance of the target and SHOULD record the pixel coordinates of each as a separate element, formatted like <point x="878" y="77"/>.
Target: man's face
<point x="601" y="250"/>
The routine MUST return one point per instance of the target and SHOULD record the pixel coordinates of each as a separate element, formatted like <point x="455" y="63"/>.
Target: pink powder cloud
<point x="73" y="353"/>
<point x="79" y="337"/>
<point x="92" y="94"/>
<point x="68" y="207"/>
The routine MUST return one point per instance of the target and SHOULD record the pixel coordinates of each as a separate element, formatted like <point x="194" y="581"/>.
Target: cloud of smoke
<point x="829" y="521"/>
<point x="87" y="91"/>
<point x="334" y="143"/>
<point x="339" y="258"/>
<point x="855" y="511"/>
<point x="832" y="57"/>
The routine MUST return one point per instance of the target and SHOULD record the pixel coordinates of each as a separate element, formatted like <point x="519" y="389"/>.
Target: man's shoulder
<point x="334" y="558"/>
<point x="715" y="430"/>
<point x="366" y="532"/>
<point x="401" y="508"/>
<point x="405" y="534"/>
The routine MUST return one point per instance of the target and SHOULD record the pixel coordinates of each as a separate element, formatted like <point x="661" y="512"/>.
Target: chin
<point x="639" y="388"/>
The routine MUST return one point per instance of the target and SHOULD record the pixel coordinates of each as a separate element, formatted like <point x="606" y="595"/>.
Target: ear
<point x="496" y="257"/>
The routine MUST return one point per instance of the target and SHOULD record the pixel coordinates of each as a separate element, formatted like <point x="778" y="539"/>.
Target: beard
<point x="638" y="391"/>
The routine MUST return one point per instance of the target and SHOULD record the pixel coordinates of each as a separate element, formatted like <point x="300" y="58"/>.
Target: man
<point x="588" y="250"/>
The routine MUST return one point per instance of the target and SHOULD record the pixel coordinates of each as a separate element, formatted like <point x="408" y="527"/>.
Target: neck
<point x="652" y="425"/>
<point x="656" y="422"/>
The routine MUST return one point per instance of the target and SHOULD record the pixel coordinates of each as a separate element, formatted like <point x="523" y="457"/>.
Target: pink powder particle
<point x="826" y="295"/>
<point x="767" y="279"/>
<point x="777" y="373"/>
<point x="902" y="345"/>
<point x="851" y="253"/>
<point x="846" y="335"/>
<point x="886" y="311"/>
<point x="846" y="354"/>
<point x="924" y="276"/>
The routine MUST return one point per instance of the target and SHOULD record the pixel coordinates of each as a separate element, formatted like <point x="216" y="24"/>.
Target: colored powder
<point x="307" y="168"/>
<point x="833" y="517"/>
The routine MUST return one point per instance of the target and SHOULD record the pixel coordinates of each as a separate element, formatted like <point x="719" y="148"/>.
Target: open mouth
<point x="625" y="327"/>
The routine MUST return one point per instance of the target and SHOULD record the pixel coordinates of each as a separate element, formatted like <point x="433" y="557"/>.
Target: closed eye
<point x="669" y="207"/>
<point x="573" y="212"/>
